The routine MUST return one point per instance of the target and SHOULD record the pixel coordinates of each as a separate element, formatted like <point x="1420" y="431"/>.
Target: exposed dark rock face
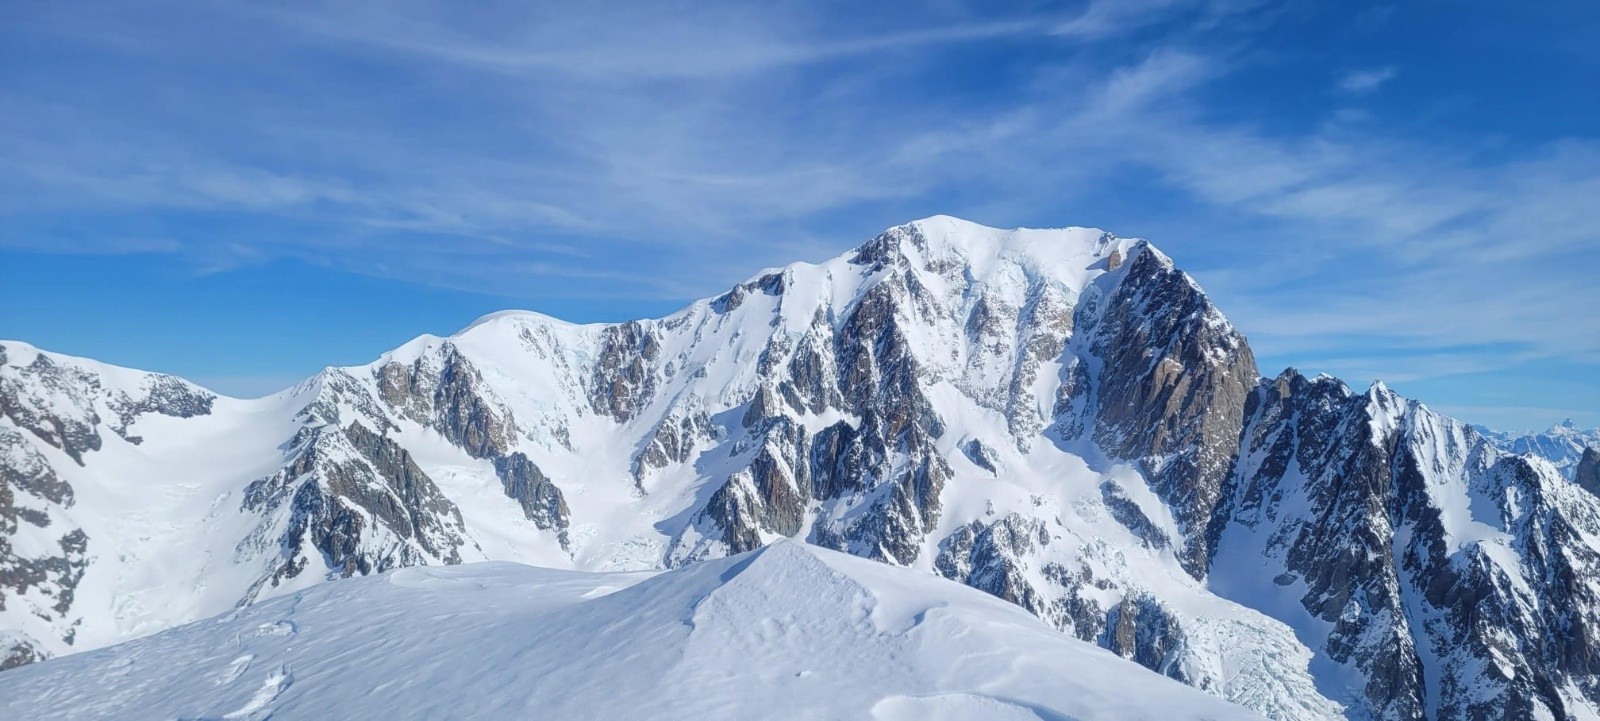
<point x="770" y="284"/>
<point x="981" y="455"/>
<point x="813" y="383"/>
<point x="339" y="394"/>
<point x="165" y="395"/>
<point x="1587" y="475"/>
<point x="28" y="471"/>
<point x="986" y="556"/>
<point x="1440" y="622"/>
<point x="24" y="393"/>
<point x="886" y="461"/>
<point x="448" y="394"/>
<point x="890" y="455"/>
<point x="674" y="440"/>
<point x="1520" y="635"/>
<point x="1341" y="550"/>
<point x="1173" y="377"/>
<point x="356" y="498"/>
<point x="623" y="383"/>
<point x="1143" y="630"/>
<point x="541" y="501"/>
<point x="413" y="504"/>
<point x="65" y="406"/>
<point x="771" y="494"/>
<point x="54" y="576"/>
<point x="1131" y="516"/>
<point x="28" y="487"/>
<point x="904" y="490"/>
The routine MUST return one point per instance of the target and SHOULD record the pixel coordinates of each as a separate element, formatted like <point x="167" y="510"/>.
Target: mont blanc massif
<point x="957" y="472"/>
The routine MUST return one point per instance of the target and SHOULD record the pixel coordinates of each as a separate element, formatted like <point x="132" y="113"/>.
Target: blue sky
<point x="242" y="193"/>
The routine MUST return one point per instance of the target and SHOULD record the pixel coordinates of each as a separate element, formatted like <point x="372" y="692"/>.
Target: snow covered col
<point x="1060" y="418"/>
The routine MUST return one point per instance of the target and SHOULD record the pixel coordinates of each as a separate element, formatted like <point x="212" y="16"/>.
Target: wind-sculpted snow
<point x="1059" y="418"/>
<point x="784" y="632"/>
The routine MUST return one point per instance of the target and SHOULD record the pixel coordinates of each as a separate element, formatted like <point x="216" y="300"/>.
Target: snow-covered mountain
<point x="1057" y="417"/>
<point x="784" y="632"/>
<point x="1563" y="444"/>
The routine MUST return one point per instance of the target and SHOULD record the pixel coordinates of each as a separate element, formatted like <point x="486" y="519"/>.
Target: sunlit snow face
<point x="826" y="635"/>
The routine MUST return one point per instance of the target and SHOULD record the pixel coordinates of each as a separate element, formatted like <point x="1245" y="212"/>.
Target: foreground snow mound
<point x="789" y="631"/>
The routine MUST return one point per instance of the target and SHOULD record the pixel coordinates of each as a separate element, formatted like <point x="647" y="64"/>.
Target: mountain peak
<point x="975" y="239"/>
<point x="783" y="557"/>
<point x="513" y="316"/>
<point x="942" y="245"/>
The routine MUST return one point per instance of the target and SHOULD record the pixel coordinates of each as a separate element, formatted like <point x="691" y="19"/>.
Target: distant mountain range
<point x="1563" y="445"/>
<point x="1060" y="418"/>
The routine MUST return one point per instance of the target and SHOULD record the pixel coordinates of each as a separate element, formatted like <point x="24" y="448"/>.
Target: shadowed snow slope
<point x="788" y="631"/>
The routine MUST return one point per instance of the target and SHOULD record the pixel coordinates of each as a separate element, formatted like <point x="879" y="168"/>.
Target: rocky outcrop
<point x="674" y="441"/>
<point x="981" y="455"/>
<point x="17" y="650"/>
<point x="769" y="496"/>
<point x="27" y="471"/>
<point x="1142" y="629"/>
<point x="446" y="393"/>
<point x="1337" y="553"/>
<point x="61" y="403"/>
<point x="165" y="395"/>
<point x="66" y="406"/>
<point x="623" y="381"/>
<point x="540" y="499"/>
<point x="987" y="556"/>
<point x="26" y="399"/>
<point x="353" y="500"/>
<point x="1165" y="378"/>
<point x="1587" y="473"/>
<point x="42" y="583"/>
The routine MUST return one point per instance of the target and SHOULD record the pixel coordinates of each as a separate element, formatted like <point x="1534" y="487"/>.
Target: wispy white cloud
<point x="1452" y="265"/>
<point x="1359" y="82"/>
<point x="632" y="43"/>
<point x="531" y="145"/>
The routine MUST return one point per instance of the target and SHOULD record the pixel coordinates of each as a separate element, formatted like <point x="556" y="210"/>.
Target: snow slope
<point x="785" y="632"/>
